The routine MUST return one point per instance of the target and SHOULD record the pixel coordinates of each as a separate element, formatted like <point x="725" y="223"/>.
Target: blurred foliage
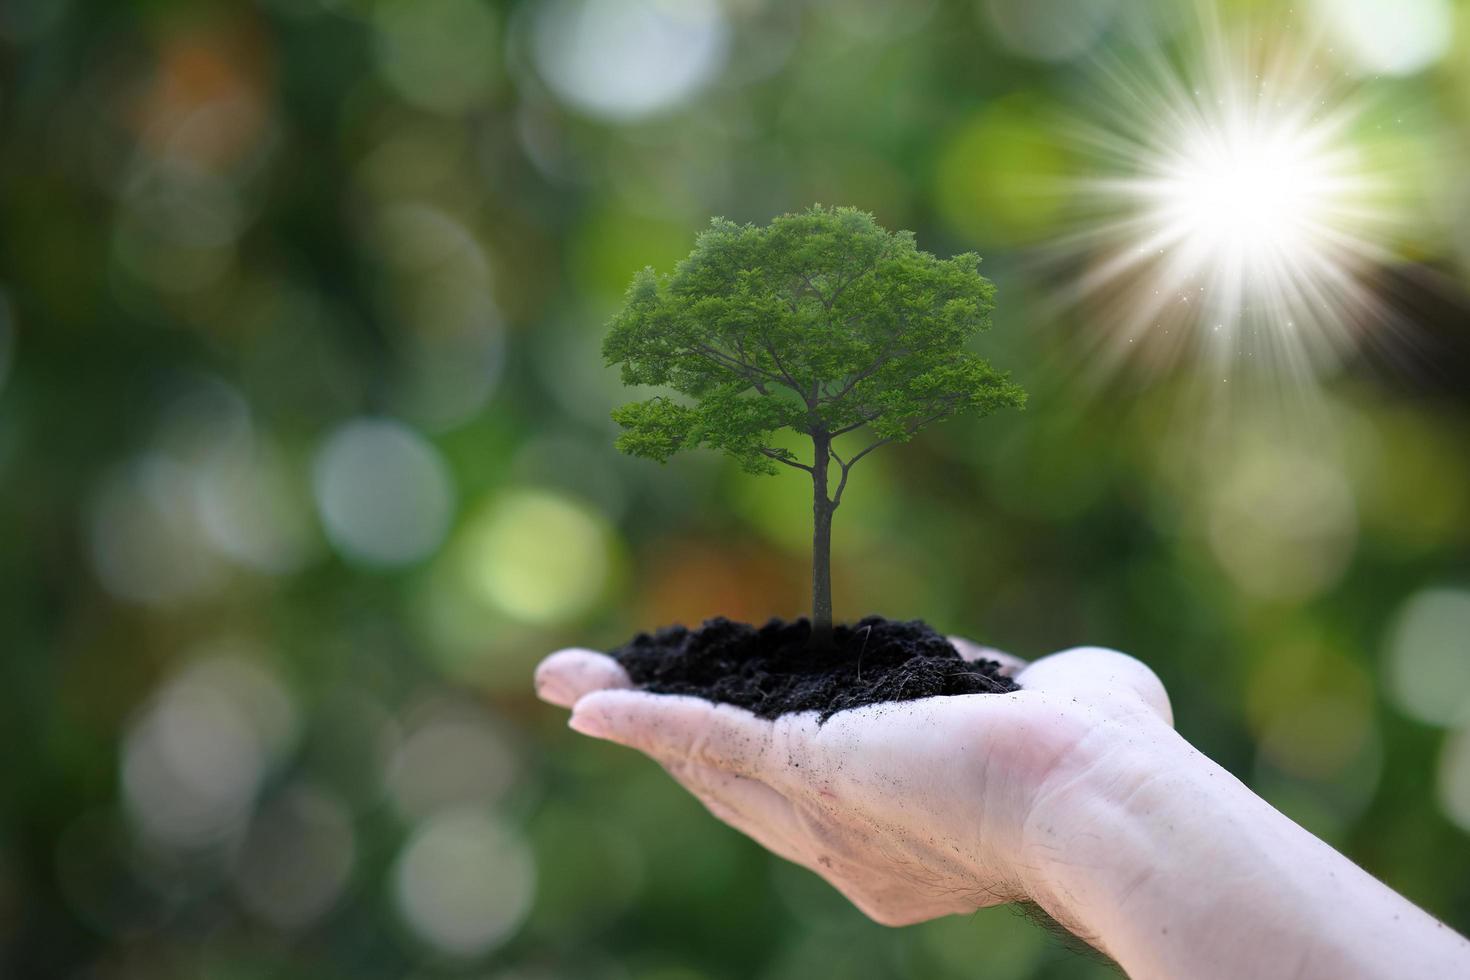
<point x="305" y="459"/>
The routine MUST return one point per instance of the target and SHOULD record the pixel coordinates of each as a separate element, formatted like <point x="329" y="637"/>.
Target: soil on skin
<point x="771" y="671"/>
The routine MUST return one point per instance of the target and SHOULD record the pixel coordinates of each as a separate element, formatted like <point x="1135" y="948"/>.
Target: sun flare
<point x="1249" y="198"/>
<point x="1227" y="212"/>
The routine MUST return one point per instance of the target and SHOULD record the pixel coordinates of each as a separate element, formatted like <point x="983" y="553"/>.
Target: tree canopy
<point x="821" y="322"/>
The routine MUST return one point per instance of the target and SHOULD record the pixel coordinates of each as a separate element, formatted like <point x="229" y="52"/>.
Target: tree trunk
<point x="821" y="544"/>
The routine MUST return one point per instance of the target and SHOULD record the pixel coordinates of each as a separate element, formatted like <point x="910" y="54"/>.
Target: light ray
<point x="1225" y="213"/>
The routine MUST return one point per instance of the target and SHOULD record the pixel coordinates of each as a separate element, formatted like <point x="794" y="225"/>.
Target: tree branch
<point x="869" y="267"/>
<point x="855" y="425"/>
<point x="723" y="360"/>
<point x="869" y="448"/>
<point x="909" y="429"/>
<point x="785" y="374"/>
<point x="749" y="372"/>
<point x="847" y="468"/>
<point x="815" y="291"/>
<point x="782" y="459"/>
<point x="842" y="481"/>
<point x="887" y="355"/>
<point x="745" y="359"/>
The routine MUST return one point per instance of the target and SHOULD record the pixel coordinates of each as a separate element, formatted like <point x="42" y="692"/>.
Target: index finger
<point x="569" y="675"/>
<point x="668" y="726"/>
<point x="1010" y="664"/>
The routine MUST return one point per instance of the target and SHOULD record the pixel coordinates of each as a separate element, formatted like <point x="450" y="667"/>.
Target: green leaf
<point x="656" y="428"/>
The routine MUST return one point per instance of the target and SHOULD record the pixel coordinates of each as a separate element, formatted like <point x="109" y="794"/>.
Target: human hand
<point x="913" y="809"/>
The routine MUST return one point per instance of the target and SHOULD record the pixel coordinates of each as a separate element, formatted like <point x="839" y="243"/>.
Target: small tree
<point x="821" y="322"/>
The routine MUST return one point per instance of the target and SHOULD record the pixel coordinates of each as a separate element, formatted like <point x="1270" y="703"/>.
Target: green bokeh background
<point x="305" y="461"/>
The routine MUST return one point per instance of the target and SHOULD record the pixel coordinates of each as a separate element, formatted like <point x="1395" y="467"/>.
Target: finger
<point x="567" y="675"/>
<point x="1010" y="664"/>
<point x="1097" y="670"/>
<point x="683" y="729"/>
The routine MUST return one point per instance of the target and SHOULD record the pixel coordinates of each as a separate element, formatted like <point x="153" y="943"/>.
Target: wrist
<point x="1091" y="839"/>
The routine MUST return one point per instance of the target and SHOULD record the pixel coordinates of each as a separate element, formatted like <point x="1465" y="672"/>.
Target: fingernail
<point x="587" y="723"/>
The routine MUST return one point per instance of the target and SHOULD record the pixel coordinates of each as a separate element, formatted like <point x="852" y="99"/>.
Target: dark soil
<point x="772" y="670"/>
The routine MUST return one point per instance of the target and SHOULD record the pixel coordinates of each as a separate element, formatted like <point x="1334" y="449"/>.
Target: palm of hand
<point x="912" y="810"/>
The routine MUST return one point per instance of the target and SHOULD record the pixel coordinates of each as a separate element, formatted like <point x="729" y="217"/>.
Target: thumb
<point x="1098" y="671"/>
